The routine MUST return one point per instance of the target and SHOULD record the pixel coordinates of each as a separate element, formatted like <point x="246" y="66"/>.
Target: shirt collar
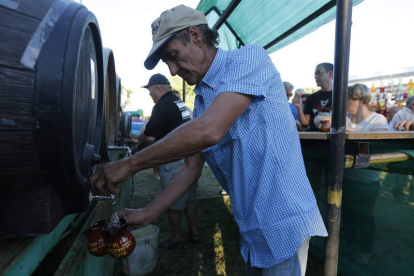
<point x="163" y="96"/>
<point x="211" y="78"/>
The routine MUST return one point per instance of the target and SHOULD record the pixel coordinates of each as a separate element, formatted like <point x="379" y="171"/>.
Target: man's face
<point x="153" y="91"/>
<point x="289" y="93"/>
<point x="322" y="76"/>
<point x="185" y="61"/>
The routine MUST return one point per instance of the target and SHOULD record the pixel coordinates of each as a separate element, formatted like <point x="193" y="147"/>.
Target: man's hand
<point x="407" y="125"/>
<point x="132" y="142"/>
<point x="137" y="218"/>
<point x="297" y="101"/>
<point x="350" y="129"/>
<point x="105" y="180"/>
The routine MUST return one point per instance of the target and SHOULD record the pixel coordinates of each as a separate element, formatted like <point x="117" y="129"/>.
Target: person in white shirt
<point x="407" y="113"/>
<point x="359" y="117"/>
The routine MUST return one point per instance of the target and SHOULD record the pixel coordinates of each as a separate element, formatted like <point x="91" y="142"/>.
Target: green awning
<point x="272" y="24"/>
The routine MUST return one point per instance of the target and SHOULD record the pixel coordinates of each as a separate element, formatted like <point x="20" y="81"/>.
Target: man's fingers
<point x="122" y="213"/>
<point x="110" y="188"/>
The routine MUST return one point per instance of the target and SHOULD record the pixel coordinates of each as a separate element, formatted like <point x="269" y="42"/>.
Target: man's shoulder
<point x="314" y="95"/>
<point x="164" y="103"/>
<point x="248" y="50"/>
<point x="320" y="93"/>
<point x="248" y="58"/>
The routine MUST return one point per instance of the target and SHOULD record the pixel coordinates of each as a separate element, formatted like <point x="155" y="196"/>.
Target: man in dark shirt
<point x="318" y="103"/>
<point x="169" y="113"/>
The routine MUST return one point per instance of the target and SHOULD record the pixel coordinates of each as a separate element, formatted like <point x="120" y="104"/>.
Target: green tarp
<point x="263" y="21"/>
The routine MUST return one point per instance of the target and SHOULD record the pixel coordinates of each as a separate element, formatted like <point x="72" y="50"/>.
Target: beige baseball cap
<point x="165" y="27"/>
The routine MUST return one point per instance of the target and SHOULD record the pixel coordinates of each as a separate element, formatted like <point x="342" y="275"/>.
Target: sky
<point x="381" y="40"/>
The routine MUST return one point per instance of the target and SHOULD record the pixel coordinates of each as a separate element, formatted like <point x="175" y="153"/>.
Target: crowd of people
<point x="310" y="109"/>
<point x="244" y="130"/>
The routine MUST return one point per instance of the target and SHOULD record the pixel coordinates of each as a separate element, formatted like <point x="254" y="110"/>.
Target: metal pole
<point x="226" y="14"/>
<point x="183" y="90"/>
<point x="337" y="144"/>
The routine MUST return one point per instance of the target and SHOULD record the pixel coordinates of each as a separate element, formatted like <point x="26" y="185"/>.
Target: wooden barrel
<point x="51" y="111"/>
<point x="124" y="128"/>
<point x="109" y="133"/>
<point x="127" y="125"/>
<point x="119" y="111"/>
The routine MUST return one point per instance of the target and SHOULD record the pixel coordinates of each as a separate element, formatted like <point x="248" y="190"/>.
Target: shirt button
<point x="211" y="154"/>
<point x="241" y="222"/>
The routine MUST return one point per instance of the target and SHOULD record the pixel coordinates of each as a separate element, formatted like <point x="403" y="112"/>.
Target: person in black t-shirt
<point x="169" y="113"/>
<point x="318" y="103"/>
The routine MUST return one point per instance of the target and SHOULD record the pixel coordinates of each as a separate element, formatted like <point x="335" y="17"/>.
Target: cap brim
<point x="154" y="56"/>
<point x="145" y="86"/>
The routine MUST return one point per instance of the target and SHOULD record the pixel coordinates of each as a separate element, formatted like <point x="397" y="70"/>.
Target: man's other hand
<point x="137" y="218"/>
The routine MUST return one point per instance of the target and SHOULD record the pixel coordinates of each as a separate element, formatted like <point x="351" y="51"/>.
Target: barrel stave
<point x="16" y="99"/>
<point x="16" y="31"/>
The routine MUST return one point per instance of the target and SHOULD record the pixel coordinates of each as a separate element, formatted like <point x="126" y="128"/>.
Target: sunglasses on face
<point x="320" y="72"/>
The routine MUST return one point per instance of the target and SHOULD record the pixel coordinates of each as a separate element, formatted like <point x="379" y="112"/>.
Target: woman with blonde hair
<point x="359" y="117"/>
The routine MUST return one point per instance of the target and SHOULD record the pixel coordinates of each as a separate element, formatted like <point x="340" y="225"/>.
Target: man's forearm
<point x="184" y="141"/>
<point x="196" y="135"/>
<point x="302" y="118"/>
<point x="182" y="180"/>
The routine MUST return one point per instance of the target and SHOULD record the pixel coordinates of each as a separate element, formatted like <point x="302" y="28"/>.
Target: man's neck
<point x="162" y="95"/>
<point x="327" y="88"/>
<point x="209" y="56"/>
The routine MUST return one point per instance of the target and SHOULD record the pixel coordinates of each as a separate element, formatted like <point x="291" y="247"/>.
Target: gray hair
<point x="165" y="87"/>
<point x="409" y="101"/>
<point x="359" y="91"/>
<point x="300" y="90"/>
<point x="288" y="85"/>
<point x="210" y="37"/>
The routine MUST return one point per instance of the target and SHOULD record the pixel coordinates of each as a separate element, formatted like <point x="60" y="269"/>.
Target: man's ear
<point x="195" y="35"/>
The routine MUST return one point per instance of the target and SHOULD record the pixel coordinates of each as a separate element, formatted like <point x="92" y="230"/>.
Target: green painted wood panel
<point x="376" y="235"/>
<point x="21" y="256"/>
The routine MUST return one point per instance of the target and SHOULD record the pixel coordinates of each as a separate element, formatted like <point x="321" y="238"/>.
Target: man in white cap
<point x="241" y="128"/>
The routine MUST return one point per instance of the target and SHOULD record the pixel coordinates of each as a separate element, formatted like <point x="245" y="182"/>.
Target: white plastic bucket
<point x="144" y="257"/>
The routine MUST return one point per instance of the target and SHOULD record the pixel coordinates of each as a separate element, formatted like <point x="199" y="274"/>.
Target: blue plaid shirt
<point x="259" y="162"/>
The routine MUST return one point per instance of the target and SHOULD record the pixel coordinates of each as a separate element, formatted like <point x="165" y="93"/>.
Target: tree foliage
<point x="128" y="93"/>
<point x="177" y="84"/>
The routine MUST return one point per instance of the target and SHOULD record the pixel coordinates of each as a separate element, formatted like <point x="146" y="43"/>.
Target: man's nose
<point x="173" y="68"/>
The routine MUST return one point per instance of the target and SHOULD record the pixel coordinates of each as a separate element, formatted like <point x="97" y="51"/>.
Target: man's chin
<point x="189" y="81"/>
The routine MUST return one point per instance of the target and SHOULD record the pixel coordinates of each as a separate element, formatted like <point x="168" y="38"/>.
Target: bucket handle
<point x="147" y="242"/>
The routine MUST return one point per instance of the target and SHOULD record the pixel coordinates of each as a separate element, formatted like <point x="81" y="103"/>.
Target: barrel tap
<point x="102" y="197"/>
